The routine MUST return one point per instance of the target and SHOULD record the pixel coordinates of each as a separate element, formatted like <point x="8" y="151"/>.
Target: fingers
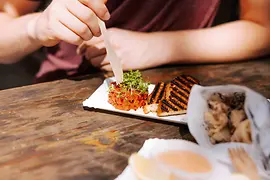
<point x="241" y="160"/>
<point x="107" y="67"/>
<point x="98" y="7"/>
<point x="95" y="51"/>
<point x="73" y="21"/>
<point x="232" y="154"/>
<point x="95" y="41"/>
<point x="81" y="48"/>
<point x="243" y="163"/>
<point x="237" y="163"/>
<point x="241" y="155"/>
<point x="99" y="61"/>
<point x="64" y="33"/>
<point x="75" y="25"/>
<point x="246" y="158"/>
<point x="85" y="15"/>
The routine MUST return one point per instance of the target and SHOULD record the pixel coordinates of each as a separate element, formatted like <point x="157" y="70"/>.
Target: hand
<point x="73" y="21"/>
<point x="136" y="50"/>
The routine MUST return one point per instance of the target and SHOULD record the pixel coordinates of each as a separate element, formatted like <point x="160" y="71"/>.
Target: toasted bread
<point x="177" y="94"/>
<point x="153" y="99"/>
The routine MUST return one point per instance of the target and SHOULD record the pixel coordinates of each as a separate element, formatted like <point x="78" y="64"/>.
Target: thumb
<point x="81" y="49"/>
<point x="92" y="42"/>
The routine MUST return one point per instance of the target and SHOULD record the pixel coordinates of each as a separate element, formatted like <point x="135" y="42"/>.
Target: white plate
<point x="99" y="100"/>
<point x="151" y="147"/>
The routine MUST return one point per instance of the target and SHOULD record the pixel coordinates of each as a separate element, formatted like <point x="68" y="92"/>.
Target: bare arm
<point x="246" y="38"/>
<point x="14" y="39"/>
<point x="73" y="21"/>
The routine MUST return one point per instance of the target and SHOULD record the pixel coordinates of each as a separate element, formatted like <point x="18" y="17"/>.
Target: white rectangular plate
<point x="99" y="100"/>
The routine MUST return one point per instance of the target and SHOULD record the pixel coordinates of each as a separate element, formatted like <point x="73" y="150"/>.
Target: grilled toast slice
<point x="153" y="99"/>
<point x="176" y="98"/>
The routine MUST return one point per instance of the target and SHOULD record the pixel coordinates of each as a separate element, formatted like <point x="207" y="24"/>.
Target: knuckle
<point x="94" y="30"/>
<point x="54" y="9"/>
<point x="84" y="30"/>
<point x="97" y="33"/>
<point x="51" y="28"/>
<point x="89" y="16"/>
<point x="85" y="33"/>
<point x="89" y="37"/>
<point x="77" y="40"/>
<point x="102" y="11"/>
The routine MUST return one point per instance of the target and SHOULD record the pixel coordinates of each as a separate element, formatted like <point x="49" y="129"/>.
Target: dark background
<point x="21" y="73"/>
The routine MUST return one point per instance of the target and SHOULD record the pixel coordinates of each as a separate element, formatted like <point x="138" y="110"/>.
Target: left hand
<point x="136" y="50"/>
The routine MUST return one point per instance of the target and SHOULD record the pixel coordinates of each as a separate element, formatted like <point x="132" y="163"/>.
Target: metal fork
<point x="243" y="163"/>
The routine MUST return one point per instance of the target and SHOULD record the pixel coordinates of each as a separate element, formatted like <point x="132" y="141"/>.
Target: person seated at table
<point x="144" y="33"/>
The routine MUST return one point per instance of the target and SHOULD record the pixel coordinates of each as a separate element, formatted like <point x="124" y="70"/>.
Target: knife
<point x="113" y="58"/>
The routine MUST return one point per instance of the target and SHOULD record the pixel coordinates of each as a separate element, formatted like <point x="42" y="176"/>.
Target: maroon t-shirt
<point x="137" y="15"/>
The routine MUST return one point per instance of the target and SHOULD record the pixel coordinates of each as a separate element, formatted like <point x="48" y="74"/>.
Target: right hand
<point x="72" y="21"/>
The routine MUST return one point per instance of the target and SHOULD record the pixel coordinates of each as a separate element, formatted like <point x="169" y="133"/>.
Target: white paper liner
<point x="153" y="146"/>
<point x="256" y="107"/>
<point x="223" y="167"/>
<point x="99" y="100"/>
<point x="258" y="111"/>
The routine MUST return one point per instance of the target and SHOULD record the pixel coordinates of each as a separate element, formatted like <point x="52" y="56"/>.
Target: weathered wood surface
<point x="46" y="134"/>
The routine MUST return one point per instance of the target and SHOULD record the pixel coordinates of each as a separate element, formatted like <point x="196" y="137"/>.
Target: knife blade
<point x="112" y="56"/>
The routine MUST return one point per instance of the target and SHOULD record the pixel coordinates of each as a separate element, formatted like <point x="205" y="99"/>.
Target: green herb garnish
<point x="133" y="80"/>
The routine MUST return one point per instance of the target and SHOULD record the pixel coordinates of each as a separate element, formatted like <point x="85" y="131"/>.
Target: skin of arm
<point x="14" y="39"/>
<point x="244" y="39"/>
<point x="23" y="32"/>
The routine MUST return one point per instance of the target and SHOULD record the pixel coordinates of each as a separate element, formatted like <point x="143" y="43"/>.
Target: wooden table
<point x="46" y="133"/>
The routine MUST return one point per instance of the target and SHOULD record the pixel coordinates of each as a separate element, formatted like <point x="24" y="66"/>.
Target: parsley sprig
<point x="133" y="80"/>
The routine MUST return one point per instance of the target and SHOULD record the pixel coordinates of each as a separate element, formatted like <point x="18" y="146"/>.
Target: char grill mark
<point x="163" y="108"/>
<point x="172" y="98"/>
<point x="162" y="93"/>
<point x="150" y="97"/>
<point x="153" y="94"/>
<point x="179" y="98"/>
<point x="185" y="81"/>
<point x="175" y="84"/>
<point x="168" y="104"/>
<point x="183" y="85"/>
<point x="180" y="105"/>
<point x="180" y="93"/>
<point x="191" y="79"/>
<point x="180" y="85"/>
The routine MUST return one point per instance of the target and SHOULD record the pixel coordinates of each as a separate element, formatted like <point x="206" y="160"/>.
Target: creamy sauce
<point x="186" y="161"/>
<point x="147" y="169"/>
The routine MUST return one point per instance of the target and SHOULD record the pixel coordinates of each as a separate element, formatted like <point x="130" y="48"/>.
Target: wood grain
<point x="46" y="133"/>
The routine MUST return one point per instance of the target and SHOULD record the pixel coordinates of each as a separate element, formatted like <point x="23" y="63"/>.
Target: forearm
<point x="234" y="41"/>
<point x="15" y="41"/>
